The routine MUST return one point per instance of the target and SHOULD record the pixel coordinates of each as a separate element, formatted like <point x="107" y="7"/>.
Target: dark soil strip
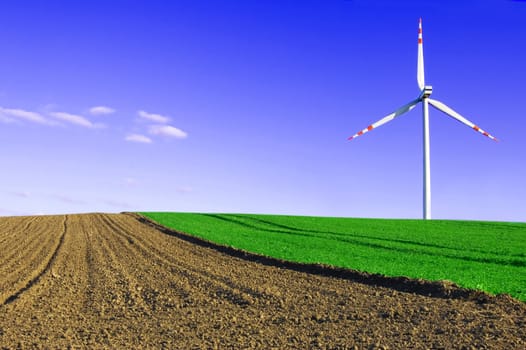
<point x="437" y="289"/>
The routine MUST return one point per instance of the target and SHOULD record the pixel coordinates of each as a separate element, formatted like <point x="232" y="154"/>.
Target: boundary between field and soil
<point x="437" y="289"/>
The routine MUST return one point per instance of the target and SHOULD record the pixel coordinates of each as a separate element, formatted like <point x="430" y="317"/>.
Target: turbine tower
<point x="425" y="92"/>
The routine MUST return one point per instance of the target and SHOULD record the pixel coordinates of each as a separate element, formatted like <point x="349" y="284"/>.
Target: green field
<point x="489" y="256"/>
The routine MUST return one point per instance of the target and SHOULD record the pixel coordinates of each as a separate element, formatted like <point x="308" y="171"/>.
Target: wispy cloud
<point x="6" y="120"/>
<point x="153" y="117"/>
<point x="22" y="194"/>
<point x="34" y="117"/>
<point x="138" y="138"/>
<point x="167" y="130"/>
<point x="130" y="181"/>
<point x="184" y="189"/>
<point x="67" y="199"/>
<point x="75" y="119"/>
<point x="9" y="212"/>
<point x="101" y="110"/>
<point x="117" y="204"/>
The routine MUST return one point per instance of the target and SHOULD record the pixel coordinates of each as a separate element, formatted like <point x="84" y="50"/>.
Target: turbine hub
<point x="426" y="91"/>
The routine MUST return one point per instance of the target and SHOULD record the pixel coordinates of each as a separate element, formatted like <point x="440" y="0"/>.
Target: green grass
<point x="489" y="256"/>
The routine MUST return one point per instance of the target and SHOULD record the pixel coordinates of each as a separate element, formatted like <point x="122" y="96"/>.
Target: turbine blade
<point x="420" y="66"/>
<point x="388" y="118"/>
<point x="442" y="107"/>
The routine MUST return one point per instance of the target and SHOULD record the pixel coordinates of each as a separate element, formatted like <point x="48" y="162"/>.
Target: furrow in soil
<point x="109" y="281"/>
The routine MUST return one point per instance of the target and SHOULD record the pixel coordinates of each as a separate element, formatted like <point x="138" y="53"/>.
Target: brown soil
<point x="116" y="281"/>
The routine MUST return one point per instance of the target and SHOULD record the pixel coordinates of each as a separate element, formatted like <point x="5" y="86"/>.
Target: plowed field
<point x="112" y="281"/>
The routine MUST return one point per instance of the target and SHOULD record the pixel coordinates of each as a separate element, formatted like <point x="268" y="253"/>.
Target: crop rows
<point x="488" y="256"/>
<point x="113" y="281"/>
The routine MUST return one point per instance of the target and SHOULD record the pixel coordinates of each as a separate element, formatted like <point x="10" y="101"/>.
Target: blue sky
<point x="246" y="106"/>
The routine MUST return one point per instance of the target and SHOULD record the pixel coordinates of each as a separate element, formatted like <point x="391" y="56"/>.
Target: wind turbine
<point x="425" y="92"/>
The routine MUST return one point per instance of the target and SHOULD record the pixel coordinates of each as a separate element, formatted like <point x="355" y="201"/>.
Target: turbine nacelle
<point x="426" y="92"/>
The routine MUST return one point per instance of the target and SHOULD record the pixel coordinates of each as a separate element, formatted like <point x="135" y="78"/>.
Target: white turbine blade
<point x="442" y="107"/>
<point x="420" y="66"/>
<point x="388" y="118"/>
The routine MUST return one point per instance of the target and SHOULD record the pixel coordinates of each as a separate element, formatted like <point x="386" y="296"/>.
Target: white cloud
<point x="138" y="138"/>
<point x="153" y="117"/>
<point x="34" y="117"/>
<point x="167" y="130"/>
<point x="101" y="110"/>
<point x="75" y="119"/>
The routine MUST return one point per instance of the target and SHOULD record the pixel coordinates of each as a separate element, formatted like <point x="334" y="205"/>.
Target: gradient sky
<point x="246" y="106"/>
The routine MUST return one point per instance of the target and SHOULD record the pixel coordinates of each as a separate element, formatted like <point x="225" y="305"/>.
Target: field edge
<point x="437" y="289"/>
